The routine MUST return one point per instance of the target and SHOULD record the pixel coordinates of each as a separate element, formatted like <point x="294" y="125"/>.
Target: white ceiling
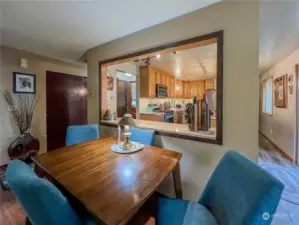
<point x="279" y="31"/>
<point x="125" y="76"/>
<point x="67" y="29"/>
<point x="193" y="64"/>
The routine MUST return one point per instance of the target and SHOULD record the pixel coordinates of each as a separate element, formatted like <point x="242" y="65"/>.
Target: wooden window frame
<point x="263" y="101"/>
<point x="215" y="37"/>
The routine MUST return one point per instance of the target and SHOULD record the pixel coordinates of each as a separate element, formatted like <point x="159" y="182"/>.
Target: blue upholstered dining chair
<point x="42" y="201"/>
<point x="144" y="136"/>
<point x="80" y="133"/>
<point x="239" y="192"/>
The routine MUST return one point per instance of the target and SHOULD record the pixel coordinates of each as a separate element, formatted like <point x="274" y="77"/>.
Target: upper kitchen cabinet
<point x="171" y="90"/>
<point x="150" y="77"/>
<point x="163" y="79"/>
<point x="158" y="78"/>
<point x="200" y="89"/>
<point x="147" y="82"/>
<point x="193" y="89"/>
<point x="197" y="89"/>
<point x="168" y="84"/>
<point x="187" y="92"/>
<point x="179" y="89"/>
<point x="208" y="84"/>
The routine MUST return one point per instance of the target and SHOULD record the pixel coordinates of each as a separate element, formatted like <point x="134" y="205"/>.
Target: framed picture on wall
<point x="24" y="83"/>
<point x="280" y="90"/>
<point x="110" y="83"/>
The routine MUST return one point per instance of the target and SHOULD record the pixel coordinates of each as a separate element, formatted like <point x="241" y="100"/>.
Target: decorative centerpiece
<point x="127" y="146"/>
<point x="22" y="108"/>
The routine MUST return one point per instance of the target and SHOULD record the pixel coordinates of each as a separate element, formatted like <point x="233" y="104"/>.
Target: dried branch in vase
<point x="22" y="108"/>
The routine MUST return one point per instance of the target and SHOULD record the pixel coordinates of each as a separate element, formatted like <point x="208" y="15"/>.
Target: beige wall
<point x="240" y="22"/>
<point x="280" y="128"/>
<point x="10" y="62"/>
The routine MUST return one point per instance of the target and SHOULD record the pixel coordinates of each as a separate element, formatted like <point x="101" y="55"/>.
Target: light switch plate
<point x="24" y="63"/>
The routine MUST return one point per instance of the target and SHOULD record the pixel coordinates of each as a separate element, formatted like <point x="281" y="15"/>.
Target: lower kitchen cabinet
<point x="159" y="117"/>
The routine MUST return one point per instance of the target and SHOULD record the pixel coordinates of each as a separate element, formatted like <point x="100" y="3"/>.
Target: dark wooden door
<point x="66" y="105"/>
<point x="122" y="98"/>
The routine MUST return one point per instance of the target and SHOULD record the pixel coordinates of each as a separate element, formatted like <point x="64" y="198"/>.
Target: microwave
<point x="161" y="91"/>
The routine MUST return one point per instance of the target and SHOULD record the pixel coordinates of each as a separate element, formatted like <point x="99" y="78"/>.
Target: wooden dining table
<point x="111" y="186"/>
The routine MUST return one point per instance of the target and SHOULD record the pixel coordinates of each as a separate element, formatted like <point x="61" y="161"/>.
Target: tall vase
<point x="24" y="147"/>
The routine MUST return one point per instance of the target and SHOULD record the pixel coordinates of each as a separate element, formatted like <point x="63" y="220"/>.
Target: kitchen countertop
<point x="177" y="109"/>
<point x="167" y="127"/>
<point x="153" y="113"/>
<point x="157" y="112"/>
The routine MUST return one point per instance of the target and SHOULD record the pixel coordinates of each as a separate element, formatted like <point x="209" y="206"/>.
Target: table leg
<point x="176" y="174"/>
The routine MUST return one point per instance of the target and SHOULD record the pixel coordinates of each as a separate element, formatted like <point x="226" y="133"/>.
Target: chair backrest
<point x="80" y="133"/>
<point x="144" y="136"/>
<point x="240" y="192"/>
<point x="42" y="201"/>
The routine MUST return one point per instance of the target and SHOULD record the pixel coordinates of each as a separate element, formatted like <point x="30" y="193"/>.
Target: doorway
<point x="122" y="97"/>
<point x="66" y="105"/>
<point x="132" y="98"/>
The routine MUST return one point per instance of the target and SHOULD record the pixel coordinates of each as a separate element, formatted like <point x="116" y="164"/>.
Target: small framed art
<point x="24" y="83"/>
<point x="280" y="90"/>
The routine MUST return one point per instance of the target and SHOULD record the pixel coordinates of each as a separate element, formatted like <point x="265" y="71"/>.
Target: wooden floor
<point x="269" y="153"/>
<point x="11" y="213"/>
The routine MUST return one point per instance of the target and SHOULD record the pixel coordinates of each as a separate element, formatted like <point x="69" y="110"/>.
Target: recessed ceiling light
<point x="158" y="56"/>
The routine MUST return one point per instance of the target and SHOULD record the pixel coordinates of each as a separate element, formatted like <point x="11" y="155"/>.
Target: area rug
<point x="289" y="176"/>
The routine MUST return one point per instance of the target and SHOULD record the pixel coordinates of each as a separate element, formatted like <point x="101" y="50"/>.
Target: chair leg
<point x="28" y="221"/>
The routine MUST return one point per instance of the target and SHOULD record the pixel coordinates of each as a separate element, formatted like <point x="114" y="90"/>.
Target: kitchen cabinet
<point x="163" y="79"/>
<point x="178" y="116"/>
<point x="150" y="77"/>
<point x="159" y="117"/>
<point x="158" y="78"/>
<point x="208" y="84"/>
<point x="200" y="89"/>
<point x="179" y="89"/>
<point x="193" y="89"/>
<point x="186" y="89"/>
<point x="152" y="81"/>
<point x="197" y="88"/>
<point x="147" y="82"/>
<point x="168" y="84"/>
<point x="172" y="88"/>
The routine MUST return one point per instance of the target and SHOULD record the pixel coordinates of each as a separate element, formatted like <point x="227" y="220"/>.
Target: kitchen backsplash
<point x="143" y="102"/>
